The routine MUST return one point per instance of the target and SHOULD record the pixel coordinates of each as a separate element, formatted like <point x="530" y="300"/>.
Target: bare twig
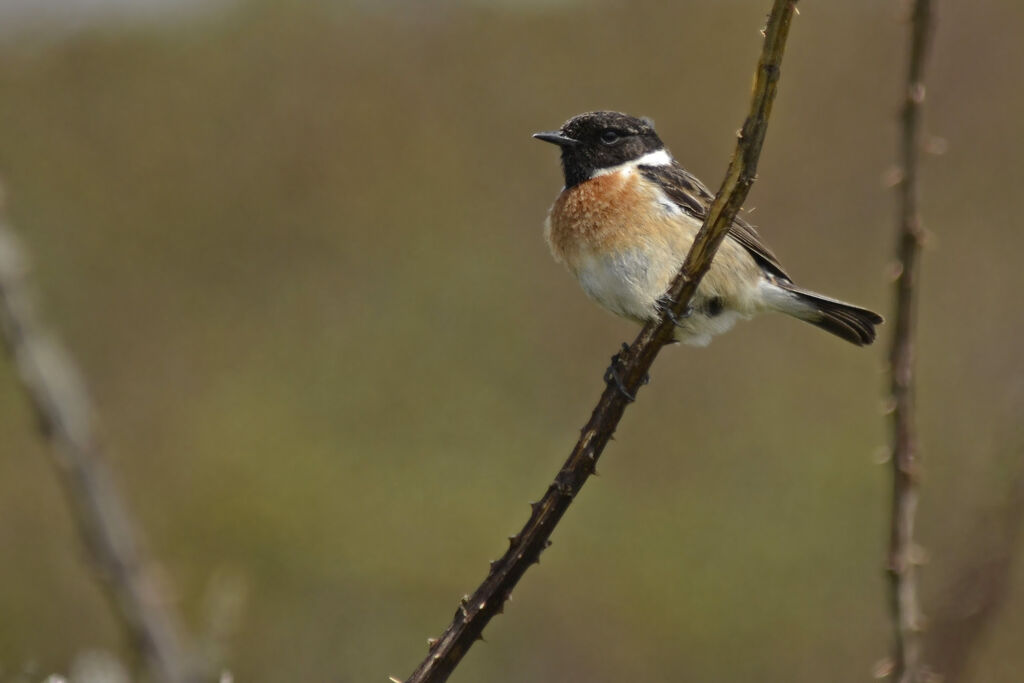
<point x="64" y="414"/>
<point x="476" y="611"/>
<point x="906" y="610"/>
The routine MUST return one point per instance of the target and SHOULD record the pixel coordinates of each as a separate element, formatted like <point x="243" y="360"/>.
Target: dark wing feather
<point x="690" y="195"/>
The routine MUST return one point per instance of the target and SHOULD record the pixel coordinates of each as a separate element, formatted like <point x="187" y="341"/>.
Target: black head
<point x="601" y="139"/>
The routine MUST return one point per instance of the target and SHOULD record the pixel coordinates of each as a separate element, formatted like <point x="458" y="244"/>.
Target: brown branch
<point x="64" y="414"/>
<point x="633" y="363"/>
<point x="906" y="611"/>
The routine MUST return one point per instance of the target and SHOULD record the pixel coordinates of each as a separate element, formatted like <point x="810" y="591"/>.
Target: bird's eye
<point x="609" y="137"/>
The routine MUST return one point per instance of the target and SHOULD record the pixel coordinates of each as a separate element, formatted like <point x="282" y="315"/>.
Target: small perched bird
<point x="627" y="217"/>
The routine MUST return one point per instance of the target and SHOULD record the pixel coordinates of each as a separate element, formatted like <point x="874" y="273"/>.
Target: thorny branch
<point x="64" y="414"/>
<point x="633" y="363"/>
<point x="908" y="621"/>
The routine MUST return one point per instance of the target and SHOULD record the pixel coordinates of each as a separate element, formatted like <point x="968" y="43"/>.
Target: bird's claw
<point x="664" y="305"/>
<point x="611" y="375"/>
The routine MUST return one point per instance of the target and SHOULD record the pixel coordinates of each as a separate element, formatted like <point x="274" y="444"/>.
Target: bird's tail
<point x="853" y="323"/>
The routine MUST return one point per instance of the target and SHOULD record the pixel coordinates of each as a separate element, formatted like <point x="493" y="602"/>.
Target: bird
<point x="627" y="217"/>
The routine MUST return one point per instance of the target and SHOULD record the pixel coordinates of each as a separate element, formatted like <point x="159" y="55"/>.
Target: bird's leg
<point x="664" y="305"/>
<point x="611" y="375"/>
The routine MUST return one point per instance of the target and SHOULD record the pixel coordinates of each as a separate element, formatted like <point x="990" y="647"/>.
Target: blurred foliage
<point x="297" y="250"/>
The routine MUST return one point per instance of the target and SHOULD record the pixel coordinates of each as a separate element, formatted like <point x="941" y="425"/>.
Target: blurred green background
<point x="296" y="248"/>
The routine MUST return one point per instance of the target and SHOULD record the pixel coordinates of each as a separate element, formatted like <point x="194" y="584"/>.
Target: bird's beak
<point x="556" y="138"/>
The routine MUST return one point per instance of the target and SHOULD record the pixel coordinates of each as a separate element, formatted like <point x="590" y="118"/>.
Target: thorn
<point x="892" y="176"/>
<point x="888" y="406"/>
<point x="796" y="10"/>
<point x="512" y="540"/>
<point x="394" y="680"/>
<point x="481" y="604"/>
<point x="894" y="270"/>
<point x="882" y="455"/>
<point x="547" y="544"/>
<point x="432" y="643"/>
<point x="883" y="668"/>
<point x="534" y="506"/>
<point x="916" y="93"/>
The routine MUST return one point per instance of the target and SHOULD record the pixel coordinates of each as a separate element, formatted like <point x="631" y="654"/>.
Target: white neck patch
<point x="659" y="157"/>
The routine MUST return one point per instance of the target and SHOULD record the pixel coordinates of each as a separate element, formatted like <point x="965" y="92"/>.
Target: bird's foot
<point x="664" y="305"/>
<point x="612" y="376"/>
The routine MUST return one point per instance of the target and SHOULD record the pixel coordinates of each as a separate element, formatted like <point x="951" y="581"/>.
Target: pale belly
<point x="630" y="282"/>
<point x="625" y="282"/>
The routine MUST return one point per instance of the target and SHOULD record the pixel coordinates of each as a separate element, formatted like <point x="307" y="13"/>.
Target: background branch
<point x="488" y="599"/>
<point x="64" y="414"/>
<point x="903" y="595"/>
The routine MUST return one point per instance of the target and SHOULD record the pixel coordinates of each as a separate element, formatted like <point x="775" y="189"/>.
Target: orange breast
<point x="604" y="214"/>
